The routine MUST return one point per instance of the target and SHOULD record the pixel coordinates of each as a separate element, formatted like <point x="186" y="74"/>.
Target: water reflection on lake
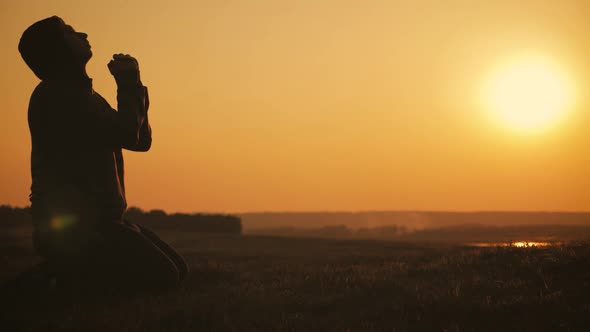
<point x="517" y="244"/>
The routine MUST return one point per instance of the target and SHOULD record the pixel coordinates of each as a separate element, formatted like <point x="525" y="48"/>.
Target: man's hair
<point x="42" y="46"/>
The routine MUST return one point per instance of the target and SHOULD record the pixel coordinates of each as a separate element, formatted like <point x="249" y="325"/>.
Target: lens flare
<point x="62" y="222"/>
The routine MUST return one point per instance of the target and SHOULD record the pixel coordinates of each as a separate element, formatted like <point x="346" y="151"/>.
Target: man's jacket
<point x="76" y="160"/>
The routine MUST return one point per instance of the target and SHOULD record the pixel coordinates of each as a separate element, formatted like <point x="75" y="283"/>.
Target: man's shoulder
<point x="45" y="90"/>
<point x="39" y="96"/>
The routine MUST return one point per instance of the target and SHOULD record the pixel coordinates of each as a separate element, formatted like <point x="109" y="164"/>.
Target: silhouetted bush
<point x="14" y="216"/>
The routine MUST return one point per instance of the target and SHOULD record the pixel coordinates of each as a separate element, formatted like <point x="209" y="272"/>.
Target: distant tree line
<point x="198" y="222"/>
<point x="11" y="217"/>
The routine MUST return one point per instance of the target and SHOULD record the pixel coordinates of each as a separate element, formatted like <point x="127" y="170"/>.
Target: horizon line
<point x="346" y="211"/>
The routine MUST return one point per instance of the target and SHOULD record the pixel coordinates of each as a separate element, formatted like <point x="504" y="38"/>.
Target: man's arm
<point x="76" y="120"/>
<point x="144" y="141"/>
<point x="132" y="95"/>
<point x="72" y="119"/>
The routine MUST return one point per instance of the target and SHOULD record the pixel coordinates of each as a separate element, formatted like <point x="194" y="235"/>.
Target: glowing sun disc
<point x="528" y="95"/>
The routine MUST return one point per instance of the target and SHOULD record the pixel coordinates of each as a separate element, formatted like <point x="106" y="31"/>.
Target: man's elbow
<point x="130" y="139"/>
<point x="142" y="145"/>
<point x="145" y="145"/>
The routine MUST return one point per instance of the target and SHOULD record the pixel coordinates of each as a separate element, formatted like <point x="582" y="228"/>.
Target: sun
<point x="528" y="95"/>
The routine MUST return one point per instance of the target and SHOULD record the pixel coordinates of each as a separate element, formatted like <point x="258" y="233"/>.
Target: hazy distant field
<point x="253" y="283"/>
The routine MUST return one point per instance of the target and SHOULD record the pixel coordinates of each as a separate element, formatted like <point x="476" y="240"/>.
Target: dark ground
<point x="254" y="283"/>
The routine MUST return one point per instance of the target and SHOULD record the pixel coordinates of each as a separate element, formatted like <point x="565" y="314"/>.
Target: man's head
<point x="50" y="46"/>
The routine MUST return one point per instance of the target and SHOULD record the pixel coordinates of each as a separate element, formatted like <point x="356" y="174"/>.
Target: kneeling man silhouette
<point x="78" y="188"/>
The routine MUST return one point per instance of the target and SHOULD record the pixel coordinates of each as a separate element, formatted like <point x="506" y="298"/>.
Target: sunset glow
<point x="327" y="105"/>
<point x="529" y="95"/>
<point x="530" y="244"/>
<point x="517" y="244"/>
<point x="295" y="165"/>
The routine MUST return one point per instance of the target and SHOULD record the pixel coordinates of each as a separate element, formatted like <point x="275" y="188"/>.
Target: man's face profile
<point x="77" y="43"/>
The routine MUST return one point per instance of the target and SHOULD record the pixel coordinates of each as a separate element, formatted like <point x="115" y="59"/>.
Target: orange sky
<point x="322" y="104"/>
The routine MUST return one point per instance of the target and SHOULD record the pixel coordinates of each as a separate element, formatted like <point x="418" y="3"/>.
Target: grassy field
<point x="255" y="283"/>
